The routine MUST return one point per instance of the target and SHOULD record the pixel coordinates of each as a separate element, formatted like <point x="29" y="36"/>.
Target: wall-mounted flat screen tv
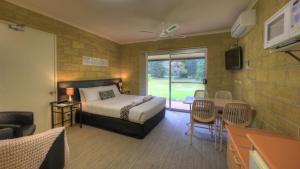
<point x="234" y="58"/>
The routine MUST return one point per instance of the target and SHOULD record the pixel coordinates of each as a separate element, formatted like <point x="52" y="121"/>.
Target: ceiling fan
<point x="166" y="32"/>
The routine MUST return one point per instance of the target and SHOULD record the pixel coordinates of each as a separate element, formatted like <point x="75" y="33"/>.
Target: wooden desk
<point x="278" y="151"/>
<point x="238" y="147"/>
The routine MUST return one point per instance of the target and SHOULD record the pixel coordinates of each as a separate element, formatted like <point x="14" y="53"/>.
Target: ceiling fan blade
<point x="179" y="36"/>
<point x="172" y="28"/>
<point x="142" y="31"/>
<point x="170" y="37"/>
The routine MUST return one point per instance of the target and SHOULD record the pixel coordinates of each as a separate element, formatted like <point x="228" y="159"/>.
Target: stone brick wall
<point x="134" y="60"/>
<point x="272" y="82"/>
<point x="72" y="44"/>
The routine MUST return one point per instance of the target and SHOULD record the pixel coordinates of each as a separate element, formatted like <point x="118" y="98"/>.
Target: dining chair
<point x="203" y="113"/>
<point x="198" y="94"/>
<point x="236" y="114"/>
<point x="201" y="94"/>
<point x="223" y="94"/>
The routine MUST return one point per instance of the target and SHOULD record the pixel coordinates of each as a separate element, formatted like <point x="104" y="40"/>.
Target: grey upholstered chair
<point x="15" y="124"/>
<point x="6" y="133"/>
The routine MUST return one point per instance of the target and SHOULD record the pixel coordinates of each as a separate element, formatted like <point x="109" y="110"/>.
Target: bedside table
<point x="126" y="92"/>
<point x="63" y="108"/>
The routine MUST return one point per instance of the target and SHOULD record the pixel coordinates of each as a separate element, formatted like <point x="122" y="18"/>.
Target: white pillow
<point x="82" y="98"/>
<point x="91" y="93"/>
<point x="112" y="87"/>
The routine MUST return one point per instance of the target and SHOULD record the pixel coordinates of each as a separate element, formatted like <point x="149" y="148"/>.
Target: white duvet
<point x="138" y="114"/>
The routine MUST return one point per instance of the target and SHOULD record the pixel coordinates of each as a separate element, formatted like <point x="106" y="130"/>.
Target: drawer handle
<point x="236" y="160"/>
<point x="231" y="148"/>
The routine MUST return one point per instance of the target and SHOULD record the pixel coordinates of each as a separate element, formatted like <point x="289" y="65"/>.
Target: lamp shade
<point x="70" y="91"/>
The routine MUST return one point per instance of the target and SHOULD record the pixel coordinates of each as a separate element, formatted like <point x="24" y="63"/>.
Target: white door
<point x="27" y="72"/>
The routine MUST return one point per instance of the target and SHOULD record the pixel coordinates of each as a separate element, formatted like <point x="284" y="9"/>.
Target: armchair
<point x="47" y="150"/>
<point x="20" y="124"/>
<point x="6" y="133"/>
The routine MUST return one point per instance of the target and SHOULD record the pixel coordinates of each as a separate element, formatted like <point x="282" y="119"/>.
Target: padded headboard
<point x="62" y="85"/>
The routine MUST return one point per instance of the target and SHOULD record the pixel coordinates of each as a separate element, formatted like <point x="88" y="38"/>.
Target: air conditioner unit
<point x="244" y="23"/>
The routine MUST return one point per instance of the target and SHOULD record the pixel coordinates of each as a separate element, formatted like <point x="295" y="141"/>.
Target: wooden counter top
<point x="244" y="138"/>
<point x="241" y="142"/>
<point x="278" y="152"/>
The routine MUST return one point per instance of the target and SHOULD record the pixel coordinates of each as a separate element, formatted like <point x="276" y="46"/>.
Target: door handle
<point x="52" y="93"/>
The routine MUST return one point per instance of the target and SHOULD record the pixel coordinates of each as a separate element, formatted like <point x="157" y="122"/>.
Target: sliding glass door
<point x="187" y="75"/>
<point x="176" y="75"/>
<point x="158" y="79"/>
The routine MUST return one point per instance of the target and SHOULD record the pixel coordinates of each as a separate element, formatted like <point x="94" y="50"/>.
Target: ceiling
<point x="122" y="20"/>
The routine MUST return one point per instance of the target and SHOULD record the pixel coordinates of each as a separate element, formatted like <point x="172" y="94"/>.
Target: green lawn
<point x="160" y="87"/>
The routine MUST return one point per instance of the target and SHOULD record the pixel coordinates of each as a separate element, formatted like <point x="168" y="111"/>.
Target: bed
<point x="142" y="118"/>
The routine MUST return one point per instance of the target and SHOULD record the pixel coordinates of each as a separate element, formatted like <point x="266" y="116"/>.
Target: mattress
<point x="138" y="114"/>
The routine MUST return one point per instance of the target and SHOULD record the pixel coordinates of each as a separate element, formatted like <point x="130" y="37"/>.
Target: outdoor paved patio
<point x="178" y="105"/>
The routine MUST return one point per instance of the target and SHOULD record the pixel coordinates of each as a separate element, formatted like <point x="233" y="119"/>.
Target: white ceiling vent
<point x="244" y="23"/>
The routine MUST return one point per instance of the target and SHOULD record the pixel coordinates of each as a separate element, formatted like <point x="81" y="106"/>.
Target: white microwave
<point x="283" y="28"/>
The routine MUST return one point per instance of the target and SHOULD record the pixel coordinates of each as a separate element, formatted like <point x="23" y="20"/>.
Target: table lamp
<point x="70" y="93"/>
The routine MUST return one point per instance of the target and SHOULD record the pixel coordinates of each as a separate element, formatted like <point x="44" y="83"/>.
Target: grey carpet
<point x="165" y="147"/>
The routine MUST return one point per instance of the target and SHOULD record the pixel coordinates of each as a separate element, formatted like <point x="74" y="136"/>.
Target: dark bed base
<point x="128" y="128"/>
<point x="113" y="124"/>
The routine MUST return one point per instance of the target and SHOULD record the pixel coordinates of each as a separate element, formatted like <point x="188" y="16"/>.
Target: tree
<point x="191" y="66"/>
<point x="179" y="69"/>
<point x="156" y="69"/>
<point x="200" y="69"/>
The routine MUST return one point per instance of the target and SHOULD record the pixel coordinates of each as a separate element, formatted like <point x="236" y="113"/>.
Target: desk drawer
<point x="233" y="160"/>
